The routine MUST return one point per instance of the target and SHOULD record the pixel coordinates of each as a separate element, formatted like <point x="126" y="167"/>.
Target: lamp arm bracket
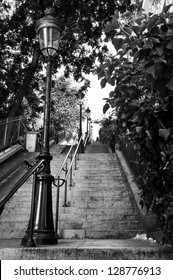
<point x="42" y="167"/>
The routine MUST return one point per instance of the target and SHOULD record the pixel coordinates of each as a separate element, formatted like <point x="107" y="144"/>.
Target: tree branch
<point x="26" y="82"/>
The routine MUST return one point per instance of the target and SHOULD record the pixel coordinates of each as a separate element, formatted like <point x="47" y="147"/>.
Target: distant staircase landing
<point x="96" y="147"/>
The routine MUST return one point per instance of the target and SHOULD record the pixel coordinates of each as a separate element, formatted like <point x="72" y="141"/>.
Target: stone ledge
<point x="149" y="220"/>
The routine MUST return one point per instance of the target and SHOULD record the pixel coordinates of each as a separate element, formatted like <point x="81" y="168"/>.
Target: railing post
<point x="75" y="167"/>
<point x="57" y="207"/>
<point x="65" y="190"/>
<point x="18" y="135"/>
<point x="5" y="132"/>
<point x="71" y="172"/>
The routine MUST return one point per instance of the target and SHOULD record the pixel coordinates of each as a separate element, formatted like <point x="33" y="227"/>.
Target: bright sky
<point x="95" y="95"/>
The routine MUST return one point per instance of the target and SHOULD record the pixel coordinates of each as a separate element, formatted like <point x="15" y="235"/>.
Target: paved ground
<point x="96" y="147"/>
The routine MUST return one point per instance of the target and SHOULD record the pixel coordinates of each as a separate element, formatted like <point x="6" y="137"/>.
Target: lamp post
<point x="88" y="111"/>
<point x="80" y="96"/>
<point x="42" y="225"/>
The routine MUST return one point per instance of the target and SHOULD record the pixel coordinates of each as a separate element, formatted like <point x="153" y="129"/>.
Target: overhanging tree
<point x="82" y="22"/>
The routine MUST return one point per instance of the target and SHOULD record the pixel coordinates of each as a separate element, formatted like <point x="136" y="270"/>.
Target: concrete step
<point x="99" y="225"/>
<point x="98" y="234"/>
<point x="87" y="249"/>
<point x="99" y="217"/>
<point x="101" y="211"/>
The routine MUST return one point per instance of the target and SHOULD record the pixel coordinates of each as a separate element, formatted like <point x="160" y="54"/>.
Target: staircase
<point x="99" y="223"/>
<point x="101" y="205"/>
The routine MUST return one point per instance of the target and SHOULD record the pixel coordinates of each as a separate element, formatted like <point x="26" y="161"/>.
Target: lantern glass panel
<point x="49" y="38"/>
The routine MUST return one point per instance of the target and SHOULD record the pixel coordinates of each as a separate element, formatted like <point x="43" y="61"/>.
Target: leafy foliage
<point x="65" y="108"/>
<point x="82" y="23"/>
<point x="142" y="72"/>
<point x="107" y="133"/>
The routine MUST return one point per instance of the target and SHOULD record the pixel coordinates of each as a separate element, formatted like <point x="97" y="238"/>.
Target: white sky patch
<point x="95" y="95"/>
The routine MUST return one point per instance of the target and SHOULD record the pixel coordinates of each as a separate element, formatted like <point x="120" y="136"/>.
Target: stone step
<point x="87" y="249"/>
<point x="117" y="197"/>
<point x="101" y="211"/>
<point x="99" y="182"/>
<point x="91" y="234"/>
<point x="100" y="225"/>
<point x="98" y="217"/>
<point x="95" y="164"/>
<point x="97" y="178"/>
<point x="93" y="204"/>
<point x="114" y="234"/>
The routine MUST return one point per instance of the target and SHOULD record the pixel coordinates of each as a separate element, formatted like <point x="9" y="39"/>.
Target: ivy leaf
<point x="109" y="71"/>
<point x="136" y="29"/>
<point x="169" y="33"/>
<point x="159" y="51"/>
<point x="111" y="94"/>
<point x="152" y="21"/>
<point x="101" y="74"/>
<point x="128" y="30"/>
<point x="170" y="45"/>
<point x="127" y="14"/>
<point x="103" y="82"/>
<point x="152" y="71"/>
<point x="139" y="129"/>
<point x="169" y="85"/>
<point x="105" y="108"/>
<point x="143" y="26"/>
<point x="112" y="81"/>
<point x="117" y="42"/>
<point x="148" y="45"/>
<point x="111" y="25"/>
<point x="166" y="8"/>
<point x="164" y="133"/>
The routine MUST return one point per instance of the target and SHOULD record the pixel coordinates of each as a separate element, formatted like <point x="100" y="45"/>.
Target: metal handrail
<point x="20" y="182"/>
<point x="63" y="164"/>
<point x="64" y="180"/>
<point x="11" y="170"/>
<point x="86" y="139"/>
<point x="74" y="157"/>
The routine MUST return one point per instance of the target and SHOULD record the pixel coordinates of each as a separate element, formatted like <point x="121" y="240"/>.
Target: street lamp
<point x="43" y="228"/>
<point x="80" y="96"/>
<point x="88" y="111"/>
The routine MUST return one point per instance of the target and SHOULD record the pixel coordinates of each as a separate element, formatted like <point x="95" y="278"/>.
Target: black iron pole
<point x="80" y="128"/>
<point x="87" y="125"/>
<point x="43" y="226"/>
<point x="81" y="149"/>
